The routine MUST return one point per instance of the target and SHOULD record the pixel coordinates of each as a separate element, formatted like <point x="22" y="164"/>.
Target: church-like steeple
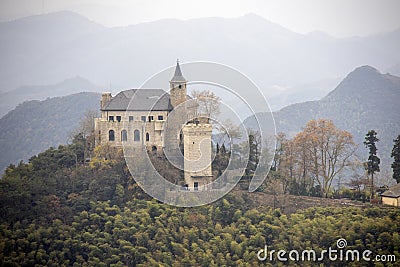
<point x="178" y="77"/>
<point x="177" y="87"/>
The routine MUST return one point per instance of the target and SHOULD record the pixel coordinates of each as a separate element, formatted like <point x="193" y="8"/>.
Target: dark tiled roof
<point x="178" y="77"/>
<point x="393" y="191"/>
<point x="143" y="100"/>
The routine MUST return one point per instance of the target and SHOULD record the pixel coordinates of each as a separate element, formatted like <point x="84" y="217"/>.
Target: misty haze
<point x="330" y="168"/>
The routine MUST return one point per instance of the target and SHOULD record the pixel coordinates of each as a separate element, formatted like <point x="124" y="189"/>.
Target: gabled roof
<point x="393" y="191"/>
<point x="140" y="100"/>
<point x="178" y="77"/>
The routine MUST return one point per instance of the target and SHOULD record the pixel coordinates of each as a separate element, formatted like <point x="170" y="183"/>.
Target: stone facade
<point x="136" y="128"/>
<point x="136" y="118"/>
<point x="197" y="155"/>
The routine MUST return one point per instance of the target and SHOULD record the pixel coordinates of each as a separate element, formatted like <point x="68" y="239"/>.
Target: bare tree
<point x="300" y="164"/>
<point x="228" y="132"/>
<point x="328" y="151"/>
<point x="85" y="132"/>
<point x="284" y="161"/>
<point x="85" y="125"/>
<point x="208" y="103"/>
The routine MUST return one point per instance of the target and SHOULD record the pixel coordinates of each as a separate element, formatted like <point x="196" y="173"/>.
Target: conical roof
<point x="178" y="77"/>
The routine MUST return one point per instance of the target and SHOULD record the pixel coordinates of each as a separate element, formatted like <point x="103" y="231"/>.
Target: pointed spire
<point x="178" y="77"/>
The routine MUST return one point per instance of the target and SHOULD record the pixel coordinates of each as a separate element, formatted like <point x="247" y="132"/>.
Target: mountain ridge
<point x="126" y="56"/>
<point x="9" y="100"/>
<point x="363" y="74"/>
<point x="366" y="99"/>
<point x="34" y="126"/>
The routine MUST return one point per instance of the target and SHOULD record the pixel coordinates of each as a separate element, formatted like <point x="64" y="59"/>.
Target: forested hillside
<point x="36" y="125"/>
<point x="146" y="233"/>
<point x="365" y="100"/>
<point x="57" y="209"/>
<point x="318" y="191"/>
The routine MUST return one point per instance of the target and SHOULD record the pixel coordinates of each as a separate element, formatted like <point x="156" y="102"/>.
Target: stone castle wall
<point x="197" y="154"/>
<point x="131" y="121"/>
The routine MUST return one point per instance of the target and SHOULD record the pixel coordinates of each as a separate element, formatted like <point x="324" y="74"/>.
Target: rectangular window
<point x="151" y="118"/>
<point x="119" y="118"/>
<point x="196" y="186"/>
<point x="130" y="118"/>
<point x="160" y="117"/>
<point x="111" y="118"/>
<point x="143" y="118"/>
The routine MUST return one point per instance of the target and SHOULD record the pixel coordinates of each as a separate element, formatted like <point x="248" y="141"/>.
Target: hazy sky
<point x="337" y="17"/>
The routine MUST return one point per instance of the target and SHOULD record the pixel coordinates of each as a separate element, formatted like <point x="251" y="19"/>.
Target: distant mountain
<point x="364" y="100"/>
<point x="36" y="125"/>
<point x="28" y="44"/>
<point x="282" y="97"/>
<point x="395" y="69"/>
<point x="11" y="99"/>
<point x="49" y="48"/>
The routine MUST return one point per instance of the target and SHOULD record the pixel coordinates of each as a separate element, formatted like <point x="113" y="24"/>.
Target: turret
<point x="197" y="151"/>
<point x="178" y="90"/>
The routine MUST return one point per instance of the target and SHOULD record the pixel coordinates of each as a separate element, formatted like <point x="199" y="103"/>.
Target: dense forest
<point x="59" y="209"/>
<point x="147" y="233"/>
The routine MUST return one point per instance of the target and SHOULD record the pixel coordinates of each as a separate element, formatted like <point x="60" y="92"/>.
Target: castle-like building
<point x="137" y="118"/>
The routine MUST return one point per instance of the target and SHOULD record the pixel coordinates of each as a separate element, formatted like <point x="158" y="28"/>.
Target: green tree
<point x="396" y="159"/>
<point x="373" y="162"/>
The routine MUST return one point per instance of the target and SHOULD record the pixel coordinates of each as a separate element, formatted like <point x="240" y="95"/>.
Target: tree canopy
<point x="396" y="159"/>
<point x="57" y="209"/>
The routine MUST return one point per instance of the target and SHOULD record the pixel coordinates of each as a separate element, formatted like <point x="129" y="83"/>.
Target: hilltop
<point x="366" y="99"/>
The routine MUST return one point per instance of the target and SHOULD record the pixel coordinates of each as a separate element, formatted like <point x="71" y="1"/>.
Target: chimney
<point x="105" y="98"/>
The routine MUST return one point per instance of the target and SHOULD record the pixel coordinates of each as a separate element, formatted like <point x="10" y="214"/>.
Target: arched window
<point x="147" y="137"/>
<point x="111" y="135"/>
<point x="124" y="136"/>
<point x="136" y="136"/>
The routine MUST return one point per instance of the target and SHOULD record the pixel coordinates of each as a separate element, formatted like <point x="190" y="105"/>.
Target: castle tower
<point x="197" y="155"/>
<point x="178" y="90"/>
